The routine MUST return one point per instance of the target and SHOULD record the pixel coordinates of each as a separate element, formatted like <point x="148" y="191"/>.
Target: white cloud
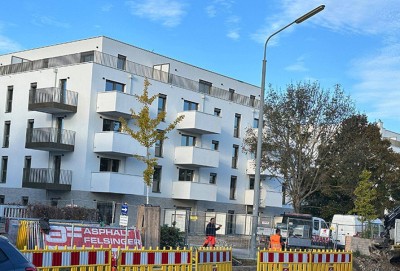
<point x="49" y="21"/>
<point x="211" y="11"/>
<point x="233" y="34"/>
<point x="378" y="87"/>
<point x="169" y="13"/>
<point x="106" y="7"/>
<point x="298" y="66"/>
<point x="8" y="45"/>
<point x="356" y="16"/>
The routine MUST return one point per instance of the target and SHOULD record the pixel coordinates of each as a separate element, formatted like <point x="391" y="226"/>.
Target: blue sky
<point x="354" y="43"/>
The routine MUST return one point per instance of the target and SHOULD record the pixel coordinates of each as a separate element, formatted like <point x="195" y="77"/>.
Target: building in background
<point x="61" y="140"/>
<point x="393" y="137"/>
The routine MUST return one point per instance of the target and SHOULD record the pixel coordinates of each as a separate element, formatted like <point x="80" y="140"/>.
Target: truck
<point x="352" y="225"/>
<point x="300" y="231"/>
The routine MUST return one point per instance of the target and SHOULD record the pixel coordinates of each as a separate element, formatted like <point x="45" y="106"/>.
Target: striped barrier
<point x="213" y="259"/>
<point x="317" y="260"/>
<point x="77" y="259"/>
<point x="283" y="260"/>
<point x="148" y="259"/>
<point x="331" y="261"/>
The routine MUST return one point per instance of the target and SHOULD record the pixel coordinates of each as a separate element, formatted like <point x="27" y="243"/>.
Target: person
<point x="211" y="232"/>
<point x="276" y="241"/>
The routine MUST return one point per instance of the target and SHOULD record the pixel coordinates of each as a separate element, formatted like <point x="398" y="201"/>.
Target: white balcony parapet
<point x="115" y="104"/>
<point x="195" y="156"/>
<point x="199" y="122"/>
<point x="194" y="191"/>
<point x="117" y="143"/>
<point x="251" y="168"/>
<point x="117" y="183"/>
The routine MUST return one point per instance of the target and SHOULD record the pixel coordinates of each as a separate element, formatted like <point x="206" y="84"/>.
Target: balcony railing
<point x="131" y="67"/>
<point x="53" y="100"/>
<point x="47" y="178"/>
<point x="50" y="139"/>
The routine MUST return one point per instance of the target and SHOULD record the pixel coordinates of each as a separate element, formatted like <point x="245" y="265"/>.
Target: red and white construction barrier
<point x="155" y="258"/>
<point x="51" y="258"/>
<point x="214" y="256"/>
<point x="284" y="257"/>
<point x="331" y="258"/>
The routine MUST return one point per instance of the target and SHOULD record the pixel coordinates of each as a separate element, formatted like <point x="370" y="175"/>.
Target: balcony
<point x="53" y="100"/>
<point x="268" y="198"/>
<point x="249" y="197"/>
<point x="199" y="123"/>
<point x="50" y="139"/>
<point x="118" y="183"/>
<point x="47" y="178"/>
<point x="196" y="157"/>
<point x="115" y="143"/>
<point x="251" y="168"/>
<point x="115" y="104"/>
<point x="194" y="191"/>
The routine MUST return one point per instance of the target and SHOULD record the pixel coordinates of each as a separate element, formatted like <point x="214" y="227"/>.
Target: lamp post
<point x="256" y="199"/>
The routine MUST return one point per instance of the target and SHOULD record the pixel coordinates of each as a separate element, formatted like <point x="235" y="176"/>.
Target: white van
<point x="350" y="225"/>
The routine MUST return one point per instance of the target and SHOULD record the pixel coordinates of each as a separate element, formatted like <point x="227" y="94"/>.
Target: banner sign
<point x="92" y="236"/>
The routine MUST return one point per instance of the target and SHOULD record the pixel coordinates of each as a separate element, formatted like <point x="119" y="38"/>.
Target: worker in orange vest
<point x="275" y="241"/>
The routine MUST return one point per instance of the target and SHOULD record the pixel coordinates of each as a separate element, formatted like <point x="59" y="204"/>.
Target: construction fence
<point x="105" y="259"/>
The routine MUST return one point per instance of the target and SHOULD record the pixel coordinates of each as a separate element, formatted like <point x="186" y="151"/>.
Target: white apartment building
<point x="393" y="137"/>
<point x="61" y="139"/>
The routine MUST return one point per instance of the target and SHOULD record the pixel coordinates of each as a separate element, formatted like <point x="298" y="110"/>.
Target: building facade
<point x="62" y="142"/>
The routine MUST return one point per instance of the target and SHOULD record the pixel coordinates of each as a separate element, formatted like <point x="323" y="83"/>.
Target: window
<point x="2" y="199"/>
<point x="252" y="99"/>
<point x="251" y="182"/>
<point x="24" y="200"/>
<point x="217" y="112"/>
<point x="236" y="126"/>
<point x="121" y="62"/>
<point x="162" y="101"/>
<point x="161" y="72"/>
<point x="231" y="94"/>
<point x="6" y="138"/>
<point x="10" y="91"/>
<point x="249" y="209"/>
<point x="27" y="168"/>
<point x="188" y="105"/>
<point x="316" y="225"/>
<point x="235" y="154"/>
<point x="111" y="125"/>
<point x="156" y="179"/>
<point x="107" y="164"/>
<point x="3" y="257"/>
<point x="255" y="123"/>
<point x="188" y="140"/>
<point x="215" y="145"/>
<point x="87" y="56"/>
<point x="232" y="190"/>
<point x="158" y="151"/>
<point x="114" y="86"/>
<point x="205" y="87"/>
<point x="213" y="178"/>
<point x="186" y="175"/>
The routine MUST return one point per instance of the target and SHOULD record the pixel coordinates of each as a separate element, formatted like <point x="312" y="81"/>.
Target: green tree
<point x="358" y="146"/>
<point x="298" y="121"/>
<point x="366" y="194"/>
<point x="171" y="237"/>
<point x="147" y="133"/>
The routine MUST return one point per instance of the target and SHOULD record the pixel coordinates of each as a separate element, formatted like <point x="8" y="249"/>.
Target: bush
<point x="171" y="237"/>
<point x="64" y="213"/>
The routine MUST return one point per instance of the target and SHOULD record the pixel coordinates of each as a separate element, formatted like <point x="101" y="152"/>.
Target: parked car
<point x="11" y="259"/>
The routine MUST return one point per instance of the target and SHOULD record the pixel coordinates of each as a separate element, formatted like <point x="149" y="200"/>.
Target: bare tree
<point x="297" y="122"/>
<point x="147" y="134"/>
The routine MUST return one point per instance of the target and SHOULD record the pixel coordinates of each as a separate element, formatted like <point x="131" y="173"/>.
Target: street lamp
<point x="256" y="199"/>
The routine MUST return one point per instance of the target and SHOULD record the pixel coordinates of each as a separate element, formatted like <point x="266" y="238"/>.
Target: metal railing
<point x="50" y="135"/>
<point x="47" y="176"/>
<point x="53" y="95"/>
<point x="131" y="67"/>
